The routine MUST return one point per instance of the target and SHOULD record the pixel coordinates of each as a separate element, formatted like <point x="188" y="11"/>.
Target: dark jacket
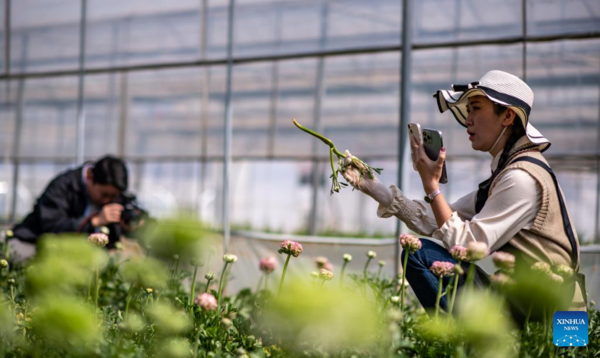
<point x="60" y="209"/>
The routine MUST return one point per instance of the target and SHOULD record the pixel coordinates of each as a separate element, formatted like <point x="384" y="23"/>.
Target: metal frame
<point x="21" y="75"/>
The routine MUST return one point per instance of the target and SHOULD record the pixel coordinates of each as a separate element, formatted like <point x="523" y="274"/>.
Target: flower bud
<point x="9" y="234"/>
<point x="504" y="260"/>
<point x="11" y="281"/>
<point x="371" y="254"/>
<point x="459" y="253"/>
<point x="564" y="271"/>
<point x="209" y="276"/>
<point x="290" y="247"/>
<point x="314" y="274"/>
<point x="104" y="230"/>
<point x="381" y="263"/>
<point x="477" y="250"/>
<point x="226" y="322"/>
<point x="347" y="257"/>
<point x="325" y="275"/>
<point x="119" y="246"/>
<point x="196" y="262"/>
<point x="229" y="258"/>
<point x="410" y="243"/>
<point x="395" y="299"/>
<point x="99" y="239"/>
<point x="206" y="301"/>
<point x="442" y="268"/>
<point x="149" y="290"/>
<point x="3" y="264"/>
<point x="267" y="264"/>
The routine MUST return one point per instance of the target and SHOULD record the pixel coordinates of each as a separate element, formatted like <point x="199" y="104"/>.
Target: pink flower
<point x="268" y="264"/>
<point x="328" y="266"/>
<point x="459" y="253"/>
<point x="504" y="260"/>
<point x="206" y="301"/>
<point x="99" y="239"/>
<point x="410" y="243"/>
<point x="476" y="250"/>
<point x="290" y="247"/>
<point x="442" y="268"/>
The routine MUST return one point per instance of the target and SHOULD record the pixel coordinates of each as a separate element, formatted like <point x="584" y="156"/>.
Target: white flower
<point x="229" y="258"/>
<point x="371" y="254"/>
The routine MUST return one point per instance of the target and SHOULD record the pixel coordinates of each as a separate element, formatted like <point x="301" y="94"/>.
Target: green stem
<point x="283" y="274"/>
<point x="127" y="300"/>
<point x="439" y="296"/>
<point x="324" y="139"/>
<point x="454" y="291"/>
<point x="207" y="286"/>
<point x="221" y="287"/>
<point x="403" y="281"/>
<point x="96" y="288"/>
<point x="342" y="274"/>
<point x="365" y="269"/>
<point x="260" y="280"/>
<point x="379" y="272"/>
<point x="470" y="275"/>
<point x="193" y="290"/>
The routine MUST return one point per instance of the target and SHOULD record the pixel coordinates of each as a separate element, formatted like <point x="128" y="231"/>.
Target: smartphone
<point x="433" y="143"/>
<point x="414" y="130"/>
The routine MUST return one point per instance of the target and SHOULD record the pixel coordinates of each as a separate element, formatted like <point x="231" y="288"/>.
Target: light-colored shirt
<point x="512" y="206"/>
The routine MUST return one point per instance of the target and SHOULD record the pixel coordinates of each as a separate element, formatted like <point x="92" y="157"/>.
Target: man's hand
<point x="372" y="187"/>
<point x="110" y="213"/>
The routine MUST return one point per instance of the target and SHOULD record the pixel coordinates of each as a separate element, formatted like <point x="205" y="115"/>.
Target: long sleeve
<point x="54" y="210"/>
<point x="512" y="206"/>
<point x="417" y="214"/>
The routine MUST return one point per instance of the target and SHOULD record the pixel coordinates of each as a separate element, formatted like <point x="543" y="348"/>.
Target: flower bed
<point x="75" y="299"/>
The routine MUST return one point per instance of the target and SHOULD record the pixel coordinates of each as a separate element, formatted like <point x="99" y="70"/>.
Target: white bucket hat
<point x="500" y="87"/>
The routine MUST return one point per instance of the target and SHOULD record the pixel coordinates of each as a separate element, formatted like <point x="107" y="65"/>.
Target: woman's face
<point x="483" y="125"/>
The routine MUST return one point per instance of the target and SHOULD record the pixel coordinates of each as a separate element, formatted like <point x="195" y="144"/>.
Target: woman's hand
<point x="372" y="187"/>
<point x="430" y="171"/>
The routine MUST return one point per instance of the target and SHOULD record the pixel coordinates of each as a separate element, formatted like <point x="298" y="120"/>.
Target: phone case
<point x="414" y="130"/>
<point x="433" y="143"/>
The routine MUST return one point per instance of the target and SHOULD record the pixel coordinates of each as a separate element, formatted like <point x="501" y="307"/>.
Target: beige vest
<point x="546" y="240"/>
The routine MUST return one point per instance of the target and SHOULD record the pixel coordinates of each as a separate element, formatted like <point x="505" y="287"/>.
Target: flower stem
<point x="283" y="274"/>
<point x="470" y="275"/>
<point x="260" y="280"/>
<point x="379" y="272"/>
<point x="365" y="269"/>
<point x="127" y="300"/>
<point x="207" y="285"/>
<point x="193" y="290"/>
<point x="454" y="291"/>
<point x="439" y="296"/>
<point x="321" y="137"/>
<point x="342" y="274"/>
<point x="403" y="281"/>
<point x="221" y="287"/>
<point x="96" y="288"/>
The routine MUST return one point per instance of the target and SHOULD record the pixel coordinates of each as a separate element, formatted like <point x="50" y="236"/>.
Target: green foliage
<point x="45" y="312"/>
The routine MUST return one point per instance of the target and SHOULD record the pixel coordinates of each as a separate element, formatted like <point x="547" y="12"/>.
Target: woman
<point x="519" y="209"/>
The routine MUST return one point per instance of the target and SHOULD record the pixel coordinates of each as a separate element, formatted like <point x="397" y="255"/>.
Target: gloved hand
<point x="372" y="187"/>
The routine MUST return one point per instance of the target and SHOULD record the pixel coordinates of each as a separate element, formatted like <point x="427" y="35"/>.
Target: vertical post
<point x="123" y="113"/>
<point x="524" y="25"/>
<point x="7" y="38"/>
<point x="228" y="130"/>
<point x="597" y="217"/>
<point x="18" y="129"/>
<point x="80" y="108"/>
<point x="203" y="107"/>
<point x="319" y="93"/>
<point x="405" y="85"/>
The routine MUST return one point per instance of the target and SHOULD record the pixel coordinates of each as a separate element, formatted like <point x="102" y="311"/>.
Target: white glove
<point x="372" y="187"/>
